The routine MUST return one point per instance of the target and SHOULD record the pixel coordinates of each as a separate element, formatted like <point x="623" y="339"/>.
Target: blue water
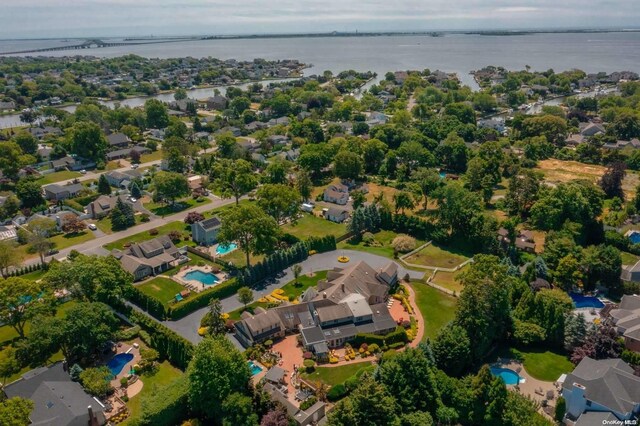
<point x="443" y="175"/>
<point x="204" y="277"/>
<point x="118" y="362"/>
<point x="224" y="249"/>
<point x="255" y="368"/>
<point x="634" y="237"/>
<point x="581" y="301"/>
<point x="509" y="377"/>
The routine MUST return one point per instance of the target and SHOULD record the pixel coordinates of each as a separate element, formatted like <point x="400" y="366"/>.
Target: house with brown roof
<point x="524" y="240"/>
<point x="103" y="205"/>
<point x="626" y="319"/>
<point x="148" y="258"/>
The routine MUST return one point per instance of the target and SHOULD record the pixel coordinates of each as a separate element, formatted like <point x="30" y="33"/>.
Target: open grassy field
<point x="628" y="258"/>
<point x="313" y="226"/>
<point x="557" y="171"/>
<point x="381" y="248"/>
<point x="104" y="224"/>
<point x="152" y="156"/>
<point x="62" y="241"/>
<point x="433" y="256"/>
<point x="57" y="177"/>
<point x="335" y="375"/>
<point x="34" y="276"/>
<point x="448" y="280"/>
<point x="437" y="308"/>
<point x="163" y="209"/>
<point x="541" y="364"/>
<point x="146" y="235"/>
<point x="163" y="289"/>
<point x="164" y="375"/>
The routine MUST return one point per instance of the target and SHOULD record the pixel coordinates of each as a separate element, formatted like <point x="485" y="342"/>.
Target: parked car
<point x="83" y="172"/>
<point x="92" y="226"/>
<point x="133" y="200"/>
<point x="52" y="252"/>
<point x="135" y="166"/>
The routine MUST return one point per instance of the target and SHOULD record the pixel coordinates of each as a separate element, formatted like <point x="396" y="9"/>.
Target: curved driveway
<point x="187" y="327"/>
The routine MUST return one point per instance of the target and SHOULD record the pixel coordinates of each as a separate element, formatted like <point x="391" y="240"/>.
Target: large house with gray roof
<point x="148" y="258"/>
<point x="57" y="400"/>
<point x="626" y="319"/>
<point x="348" y="302"/>
<point x="205" y="232"/>
<point x="607" y="387"/>
<point x="55" y="192"/>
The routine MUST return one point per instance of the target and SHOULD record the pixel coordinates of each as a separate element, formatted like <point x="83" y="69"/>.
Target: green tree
<point x="29" y="192"/>
<point x="453" y="153"/>
<point x="347" y="165"/>
<point x="255" y="231"/>
<point x="245" y="296"/>
<point x="374" y="151"/>
<point x="213" y="320"/>
<point x="522" y="192"/>
<point x="22" y="300"/>
<point x="10" y="154"/>
<point x="452" y="350"/>
<point x="428" y="180"/>
<point x="276" y="172"/>
<point x="103" y="185"/>
<point x="403" y="200"/>
<point x="238" y="411"/>
<point x="553" y="128"/>
<point x="576" y="201"/>
<point x="156" y="113"/>
<point x="216" y="371"/>
<point x="279" y="201"/>
<point x="27" y="142"/>
<point x="369" y="404"/>
<point x="135" y="190"/>
<point x="122" y="216"/>
<point x="9" y="364"/>
<point x="568" y="273"/>
<point x="304" y="184"/>
<point x="234" y="178"/>
<point x="87" y="141"/>
<point x="40" y="230"/>
<point x="227" y="145"/>
<point x="15" y="411"/>
<point x="9" y="256"/>
<point x="96" y="381"/>
<point x="170" y="186"/>
<point x="85" y="330"/>
<point x="561" y="409"/>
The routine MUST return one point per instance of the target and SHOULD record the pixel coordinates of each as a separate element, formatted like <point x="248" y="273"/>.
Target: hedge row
<point x="149" y="303"/>
<point x="171" y="346"/>
<point x="26" y="269"/>
<point x="399" y="335"/>
<point x="200" y="300"/>
<point x="167" y="406"/>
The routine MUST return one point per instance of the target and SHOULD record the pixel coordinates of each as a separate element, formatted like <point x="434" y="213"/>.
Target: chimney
<point x="343" y="289"/>
<point x="324" y="294"/>
<point x="93" y="421"/>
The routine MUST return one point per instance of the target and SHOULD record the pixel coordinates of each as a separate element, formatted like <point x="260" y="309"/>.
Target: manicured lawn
<point x="153" y="156"/>
<point x="219" y="210"/>
<point x="628" y="258"/>
<point x="164" y="375"/>
<point x="542" y="364"/>
<point x="437" y="308"/>
<point x="313" y="226"/>
<point x="104" y="224"/>
<point x="239" y="258"/>
<point x="34" y="276"/>
<point x="57" y="177"/>
<point x="8" y="333"/>
<point x="448" y="280"/>
<point x="160" y="288"/>
<point x="163" y="209"/>
<point x="381" y="248"/>
<point x="434" y="256"/>
<point x="62" y="241"/>
<point x="146" y="235"/>
<point x="335" y="375"/>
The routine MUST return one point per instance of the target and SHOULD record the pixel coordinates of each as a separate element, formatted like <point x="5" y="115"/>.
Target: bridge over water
<point x="95" y="43"/>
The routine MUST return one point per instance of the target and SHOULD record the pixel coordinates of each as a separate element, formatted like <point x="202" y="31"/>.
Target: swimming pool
<point x="508" y="376"/>
<point x="443" y="175"/>
<point x="255" y="368"/>
<point x="205" y="278"/>
<point x="224" y="249"/>
<point x="581" y="301"/>
<point x="634" y="237"/>
<point x="117" y="363"/>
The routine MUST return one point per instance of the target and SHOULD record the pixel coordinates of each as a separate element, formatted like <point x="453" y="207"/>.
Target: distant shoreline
<point x="435" y="33"/>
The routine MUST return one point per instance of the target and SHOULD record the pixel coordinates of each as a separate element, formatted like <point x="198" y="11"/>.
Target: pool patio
<point x="195" y="285"/>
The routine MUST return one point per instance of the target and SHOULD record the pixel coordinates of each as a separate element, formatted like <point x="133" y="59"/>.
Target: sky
<point x="80" y="18"/>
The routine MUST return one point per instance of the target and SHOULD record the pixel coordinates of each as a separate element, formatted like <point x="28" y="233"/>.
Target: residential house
<point x="601" y="386"/>
<point x="63" y="163"/>
<point x="44" y="152"/>
<point x="349" y="301"/>
<point x="278" y="140"/>
<point x="524" y="240"/>
<point x="57" y="400"/>
<point x="205" y="232"/>
<point x="103" y="205"/>
<point x="335" y="214"/>
<point x="337" y="194"/>
<point x="626" y="318"/>
<point x="255" y="125"/>
<point x="492" y="123"/>
<point x="278" y="121"/>
<point x="292" y="154"/>
<point x="217" y="102"/>
<point x="376" y="118"/>
<point x="123" y="179"/>
<point x="126" y="152"/>
<point x="118" y="140"/>
<point x="574" y="139"/>
<point x="313" y="415"/>
<point x="591" y="129"/>
<point x="7" y="106"/>
<point x="41" y="132"/>
<point x="633" y="144"/>
<point x="8" y="233"/>
<point x="55" y="192"/>
<point x="148" y="258"/>
<point x="631" y="272"/>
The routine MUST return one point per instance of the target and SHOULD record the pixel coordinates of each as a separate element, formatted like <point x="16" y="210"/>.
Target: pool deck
<point x="195" y="285"/>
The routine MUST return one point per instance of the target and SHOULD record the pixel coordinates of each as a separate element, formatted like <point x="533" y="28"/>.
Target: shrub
<point x="373" y="348"/>
<point x="351" y="383"/>
<point x="96" y="381"/>
<point x="308" y="403"/>
<point x="128" y="334"/>
<point x="166" y="407"/>
<point x="396" y="345"/>
<point x="403" y="244"/>
<point x="153" y="231"/>
<point x="337" y="392"/>
<point x="309" y="364"/>
<point x="368" y="238"/>
<point x="364" y="347"/>
<point x="144" y="217"/>
<point x="200" y="300"/>
<point x="561" y="408"/>
<point x="268" y="343"/>
<point x="124" y="382"/>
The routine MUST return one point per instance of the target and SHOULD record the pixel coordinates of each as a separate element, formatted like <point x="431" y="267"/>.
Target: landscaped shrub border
<point x="149" y="303"/>
<point x="27" y="269"/>
<point x="200" y="300"/>
<point x="167" y="407"/>
<point x="397" y="336"/>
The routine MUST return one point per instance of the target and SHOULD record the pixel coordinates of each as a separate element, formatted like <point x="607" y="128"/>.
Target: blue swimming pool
<point x="507" y="375"/>
<point x="581" y="301"/>
<point x="634" y="237"/>
<point x="205" y="278"/>
<point x="443" y="175"/>
<point x="224" y="249"/>
<point x="118" y="362"/>
<point x="255" y="368"/>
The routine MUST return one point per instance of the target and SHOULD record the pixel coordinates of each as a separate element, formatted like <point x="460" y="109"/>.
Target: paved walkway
<point x="187" y="327"/>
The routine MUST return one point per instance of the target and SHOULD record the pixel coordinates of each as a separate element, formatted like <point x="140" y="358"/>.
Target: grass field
<point x="335" y="375"/>
<point x="437" y="308"/>
<point x="57" y="177"/>
<point x="163" y="289"/>
<point x="436" y="257"/>
<point x="104" y="224"/>
<point x="164" y="375"/>
<point x="628" y="258"/>
<point x="34" y="276"/>
<point x="8" y="333"/>
<point x="541" y="364"/>
<point x="163" y="209"/>
<point x="63" y="241"/>
<point x="152" y="156"/>
<point x="312" y="226"/>
<point x="383" y="247"/>
<point x="146" y="235"/>
<point x="239" y="258"/>
<point x="448" y="280"/>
